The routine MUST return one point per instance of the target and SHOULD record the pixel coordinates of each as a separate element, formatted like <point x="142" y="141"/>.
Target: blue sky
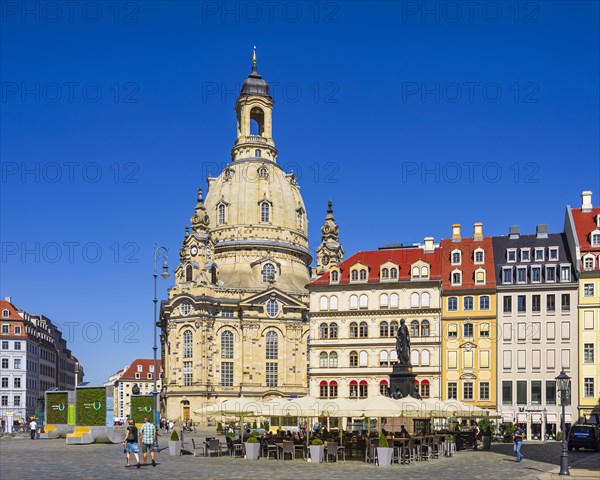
<point x="410" y="116"/>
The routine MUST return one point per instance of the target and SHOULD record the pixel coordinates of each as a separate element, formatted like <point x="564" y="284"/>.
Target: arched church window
<point x="268" y="272"/>
<point x="227" y="344"/>
<point x="189" y="271"/>
<point x="213" y="275"/>
<point x="188" y="344"/>
<point x="265" y="212"/>
<point x="272" y="346"/>
<point x="221" y="214"/>
<point x="262" y="171"/>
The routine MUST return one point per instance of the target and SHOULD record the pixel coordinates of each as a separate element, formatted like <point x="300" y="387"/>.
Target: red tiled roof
<point x="13" y="312"/>
<point x="467" y="246"/>
<point x="129" y="374"/>
<point x="585" y="222"/>
<point x="373" y="259"/>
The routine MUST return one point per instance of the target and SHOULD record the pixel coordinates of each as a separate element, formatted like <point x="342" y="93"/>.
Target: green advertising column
<point x="90" y="407"/>
<point x="142" y="406"/>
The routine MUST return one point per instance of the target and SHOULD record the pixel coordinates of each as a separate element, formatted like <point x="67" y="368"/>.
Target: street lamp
<point x="165" y="274"/>
<point x="563" y="385"/>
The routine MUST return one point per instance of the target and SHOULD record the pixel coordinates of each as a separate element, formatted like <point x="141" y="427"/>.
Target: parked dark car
<point x="584" y="436"/>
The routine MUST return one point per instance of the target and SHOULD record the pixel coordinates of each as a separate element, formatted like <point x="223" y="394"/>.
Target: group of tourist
<point x="146" y="436"/>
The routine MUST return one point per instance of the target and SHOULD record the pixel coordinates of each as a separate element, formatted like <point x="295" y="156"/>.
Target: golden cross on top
<point x="254" y="55"/>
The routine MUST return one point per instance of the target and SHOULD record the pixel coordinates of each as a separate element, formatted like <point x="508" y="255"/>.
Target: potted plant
<point x="316" y="450"/>
<point x="267" y="426"/>
<point x="384" y="452"/>
<point x="486" y="428"/>
<point x="174" y="445"/>
<point x="252" y="448"/>
<point x="507" y="429"/>
<point x="219" y="428"/>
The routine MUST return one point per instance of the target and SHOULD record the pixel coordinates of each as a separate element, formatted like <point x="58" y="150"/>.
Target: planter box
<point x="384" y="456"/>
<point x="174" y="448"/>
<point x="316" y="453"/>
<point x="252" y="450"/>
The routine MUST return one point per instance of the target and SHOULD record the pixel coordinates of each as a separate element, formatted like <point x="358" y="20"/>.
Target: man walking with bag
<point x="148" y="434"/>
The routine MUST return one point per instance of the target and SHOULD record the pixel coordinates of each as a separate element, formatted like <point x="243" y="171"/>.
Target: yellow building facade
<point x="469" y="363"/>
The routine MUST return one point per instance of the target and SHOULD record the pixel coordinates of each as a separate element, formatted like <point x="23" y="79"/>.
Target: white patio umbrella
<point x="240" y="407"/>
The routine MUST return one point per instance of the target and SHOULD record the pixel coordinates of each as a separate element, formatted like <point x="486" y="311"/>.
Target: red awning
<point x="383" y="382"/>
<point x="333" y="383"/>
<point x="363" y="382"/>
<point x="353" y="382"/>
<point x="323" y="384"/>
<point x="424" y="382"/>
<point x="416" y="382"/>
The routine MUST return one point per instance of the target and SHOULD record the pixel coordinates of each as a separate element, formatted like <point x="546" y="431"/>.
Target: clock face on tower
<point x="194" y="251"/>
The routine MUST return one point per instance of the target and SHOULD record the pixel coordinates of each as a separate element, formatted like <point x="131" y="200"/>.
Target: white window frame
<point x="553" y="253"/>
<point x="452" y="253"/>
<point x="535" y="254"/>
<point x="512" y="251"/>
<point x="526" y="252"/>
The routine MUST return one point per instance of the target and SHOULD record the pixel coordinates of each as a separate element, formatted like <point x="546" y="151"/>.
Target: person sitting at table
<point x="404" y="432"/>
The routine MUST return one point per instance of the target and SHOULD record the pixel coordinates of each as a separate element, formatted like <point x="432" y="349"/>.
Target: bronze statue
<point x="403" y="344"/>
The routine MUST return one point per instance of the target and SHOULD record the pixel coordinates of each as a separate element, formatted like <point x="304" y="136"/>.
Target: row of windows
<point x="6" y="326"/>
<point x="536" y="303"/>
<point x="533" y="274"/>
<point x="528" y="394"/>
<point x="468" y="303"/>
<point x="361" y="330"/>
<point x="360" y="388"/>
<point x="478" y="256"/>
<point x="17" y="381"/>
<point x="264" y="214"/>
<point x="468" y="359"/>
<point x="227" y="345"/>
<point x="385" y="274"/>
<point x="16" y="401"/>
<point x="539" y="254"/>
<point x="479" y="277"/>
<point x="468" y="330"/>
<point x="468" y="391"/>
<point x="6" y="345"/>
<point x="361" y="359"/>
<point x="16" y="363"/>
<point x="271" y="374"/>
<point x="524" y="331"/>
<point x="536" y="359"/>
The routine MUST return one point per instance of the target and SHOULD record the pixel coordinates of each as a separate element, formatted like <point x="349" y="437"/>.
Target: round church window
<point x="272" y="308"/>
<point x="185" y="308"/>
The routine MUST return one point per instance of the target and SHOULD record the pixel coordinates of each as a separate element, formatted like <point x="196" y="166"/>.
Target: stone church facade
<point x="236" y="321"/>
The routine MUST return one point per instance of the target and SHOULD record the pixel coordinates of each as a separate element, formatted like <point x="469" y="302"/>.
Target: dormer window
<point x="456" y="277"/>
<point x="415" y="272"/>
<point x="595" y="238"/>
<point x="354" y="276"/>
<point x="335" y="276"/>
<point x="565" y="273"/>
<point x="525" y="254"/>
<point x="588" y="262"/>
<point x="268" y="272"/>
<point x="393" y="273"/>
<point x="553" y="253"/>
<point x="5" y="313"/>
<point x="363" y="275"/>
<point x="479" y="256"/>
<point x="424" y="272"/>
<point x="385" y="274"/>
<point x="455" y="257"/>
<point x="539" y="254"/>
<point x="521" y="274"/>
<point x="511" y="255"/>
<point x="480" y="276"/>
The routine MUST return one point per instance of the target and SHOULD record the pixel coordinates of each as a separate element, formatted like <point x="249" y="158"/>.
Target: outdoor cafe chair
<point x="300" y="447"/>
<point x="214" y="445"/>
<point x="409" y="451"/>
<point x="288" y="448"/>
<point x="331" y="450"/>
<point x="198" y="448"/>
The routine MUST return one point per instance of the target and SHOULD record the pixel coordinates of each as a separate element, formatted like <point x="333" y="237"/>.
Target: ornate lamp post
<point x="563" y="385"/>
<point x="165" y="274"/>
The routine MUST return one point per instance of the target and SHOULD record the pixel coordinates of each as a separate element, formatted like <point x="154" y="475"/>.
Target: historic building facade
<point x="537" y="328"/>
<point x="356" y="308"/>
<point x="582" y="227"/>
<point x="33" y="358"/>
<point x="469" y="318"/>
<point x="236" y="321"/>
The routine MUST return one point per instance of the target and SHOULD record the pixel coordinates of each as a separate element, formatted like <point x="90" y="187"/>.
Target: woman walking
<point x="131" y="443"/>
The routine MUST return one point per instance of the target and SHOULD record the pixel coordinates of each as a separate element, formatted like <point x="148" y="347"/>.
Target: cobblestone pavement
<point x="52" y="459"/>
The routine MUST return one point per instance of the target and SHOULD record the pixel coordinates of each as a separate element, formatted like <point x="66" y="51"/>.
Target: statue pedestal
<point x="402" y="380"/>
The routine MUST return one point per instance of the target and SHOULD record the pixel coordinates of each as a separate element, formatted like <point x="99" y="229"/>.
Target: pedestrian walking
<point x="33" y="428"/>
<point x="130" y="442"/>
<point x="476" y="434"/>
<point x="148" y="436"/>
<point x="518" y="441"/>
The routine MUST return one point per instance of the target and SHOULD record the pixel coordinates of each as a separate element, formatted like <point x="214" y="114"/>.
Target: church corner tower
<point x="330" y="252"/>
<point x="235" y="323"/>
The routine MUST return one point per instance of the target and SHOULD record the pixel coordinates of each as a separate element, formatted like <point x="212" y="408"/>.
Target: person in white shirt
<point x="33" y="428"/>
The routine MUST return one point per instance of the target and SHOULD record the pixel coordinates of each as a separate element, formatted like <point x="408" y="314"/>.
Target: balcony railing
<point x="255" y="139"/>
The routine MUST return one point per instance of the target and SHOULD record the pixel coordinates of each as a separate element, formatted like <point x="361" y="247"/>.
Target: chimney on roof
<point x="513" y="232"/>
<point x="586" y="201"/>
<point x="456" y="232"/>
<point x="8" y="299"/>
<point x="478" y="231"/>
<point x="541" y="231"/>
<point x="428" y="247"/>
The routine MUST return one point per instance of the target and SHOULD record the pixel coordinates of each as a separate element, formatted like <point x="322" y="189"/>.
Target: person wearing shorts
<point x="130" y="442"/>
<point x="148" y="436"/>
